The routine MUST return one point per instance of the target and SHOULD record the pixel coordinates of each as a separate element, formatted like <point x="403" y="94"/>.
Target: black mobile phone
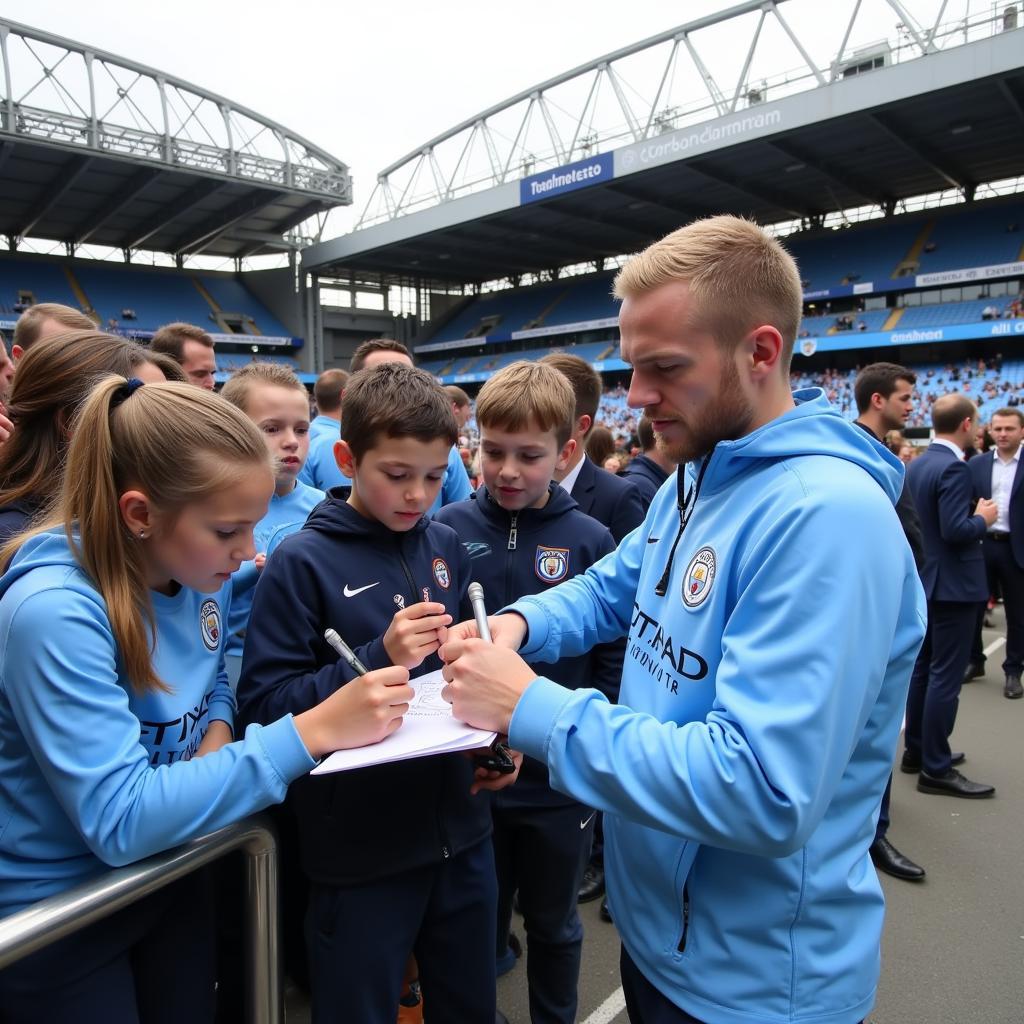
<point x="497" y="759"/>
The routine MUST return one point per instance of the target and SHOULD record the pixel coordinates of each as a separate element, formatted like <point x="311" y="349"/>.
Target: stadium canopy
<point x="589" y="164"/>
<point x="103" y="150"/>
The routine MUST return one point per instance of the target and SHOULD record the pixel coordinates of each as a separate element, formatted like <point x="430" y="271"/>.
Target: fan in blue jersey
<point x="116" y="718"/>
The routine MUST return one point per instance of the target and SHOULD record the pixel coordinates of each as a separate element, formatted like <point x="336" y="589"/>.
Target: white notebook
<point x="428" y="728"/>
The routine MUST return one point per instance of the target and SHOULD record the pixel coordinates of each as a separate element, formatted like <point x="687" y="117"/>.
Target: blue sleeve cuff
<point x="285" y="749"/>
<point x="374" y="655"/>
<point x="535" y="716"/>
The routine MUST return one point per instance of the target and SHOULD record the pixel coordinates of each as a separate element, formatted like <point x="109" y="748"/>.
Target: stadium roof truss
<point x="700" y="119"/>
<point x="98" y="149"/>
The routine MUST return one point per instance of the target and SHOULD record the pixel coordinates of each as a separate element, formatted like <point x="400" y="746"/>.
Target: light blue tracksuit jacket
<point x="761" y="699"/>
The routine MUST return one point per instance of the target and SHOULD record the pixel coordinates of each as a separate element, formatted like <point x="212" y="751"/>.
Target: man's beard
<point x="726" y="419"/>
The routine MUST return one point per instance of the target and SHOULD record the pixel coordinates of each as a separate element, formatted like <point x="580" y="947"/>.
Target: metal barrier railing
<point x="51" y="919"/>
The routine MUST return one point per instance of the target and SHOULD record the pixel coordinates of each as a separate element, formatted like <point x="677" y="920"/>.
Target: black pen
<point x="346" y="652"/>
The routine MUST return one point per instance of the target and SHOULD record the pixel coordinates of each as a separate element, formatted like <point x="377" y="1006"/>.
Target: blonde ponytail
<point x="175" y="443"/>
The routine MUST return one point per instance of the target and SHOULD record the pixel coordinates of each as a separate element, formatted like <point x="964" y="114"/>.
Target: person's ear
<point x="764" y="347"/>
<point x="17" y="352"/>
<point x="137" y="514"/>
<point x="583" y="424"/>
<point x="565" y="455"/>
<point x="344" y="458"/>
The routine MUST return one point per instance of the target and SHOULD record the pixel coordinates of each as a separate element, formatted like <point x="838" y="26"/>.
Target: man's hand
<point x="6" y="426"/>
<point x="508" y="630"/>
<point x="415" y="633"/>
<point x="988" y="510"/>
<point x="485" y="682"/>
<point x="218" y="735"/>
<point x="493" y="781"/>
<point x="260" y="560"/>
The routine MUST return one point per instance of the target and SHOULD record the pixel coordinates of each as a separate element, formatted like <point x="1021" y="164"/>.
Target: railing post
<point x="264" y="993"/>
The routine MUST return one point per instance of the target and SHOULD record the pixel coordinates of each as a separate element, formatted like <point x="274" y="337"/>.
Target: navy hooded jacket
<point x="528" y="552"/>
<point x="647" y="476"/>
<point x="351" y="573"/>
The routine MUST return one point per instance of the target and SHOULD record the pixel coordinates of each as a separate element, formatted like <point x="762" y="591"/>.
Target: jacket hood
<point x="50" y="548"/>
<point x="813" y="427"/>
<point x="559" y="502"/>
<point x="335" y="516"/>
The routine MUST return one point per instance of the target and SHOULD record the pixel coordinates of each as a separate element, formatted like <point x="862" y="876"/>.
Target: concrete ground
<point x="953" y="948"/>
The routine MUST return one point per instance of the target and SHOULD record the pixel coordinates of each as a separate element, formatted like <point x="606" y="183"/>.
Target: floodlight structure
<point x="667" y="82"/>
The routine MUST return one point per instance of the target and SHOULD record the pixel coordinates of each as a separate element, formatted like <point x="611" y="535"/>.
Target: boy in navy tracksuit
<point x="398" y="855"/>
<point x="524" y="535"/>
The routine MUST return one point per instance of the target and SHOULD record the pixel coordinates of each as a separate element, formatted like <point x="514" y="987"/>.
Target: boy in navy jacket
<point x="398" y="855"/>
<point x="525" y="534"/>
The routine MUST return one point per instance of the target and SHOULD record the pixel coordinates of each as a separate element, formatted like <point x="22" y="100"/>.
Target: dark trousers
<point x="1005" y="576"/>
<point x="935" y="683"/>
<point x="151" y="963"/>
<point x="542" y="851"/>
<point x="644" y="1003"/>
<point x="883" y="812"/>
<point x="359" y="939"/>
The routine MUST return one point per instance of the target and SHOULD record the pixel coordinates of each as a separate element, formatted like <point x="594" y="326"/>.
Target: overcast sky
<point x="370" y="81"/>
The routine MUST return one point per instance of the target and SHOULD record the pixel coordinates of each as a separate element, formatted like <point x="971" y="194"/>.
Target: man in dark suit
<point x="953" y="575"/>
<point x="995" y="475"/>
<point x="884" y="393"/>
<point x="651" y="468"/>
<point x="609" y="499"/>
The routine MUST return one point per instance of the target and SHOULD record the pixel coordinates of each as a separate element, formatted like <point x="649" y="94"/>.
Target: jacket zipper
<point x="407" y="571"/>
<point x="513" y="538"/>
<point x="686" y="920"/>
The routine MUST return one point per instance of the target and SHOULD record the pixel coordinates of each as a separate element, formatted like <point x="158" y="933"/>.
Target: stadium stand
<point x="155" y="297"/>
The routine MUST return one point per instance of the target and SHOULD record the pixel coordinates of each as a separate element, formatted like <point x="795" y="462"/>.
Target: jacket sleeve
<point x="61" y="676"/>
<point x="953" y="495"/>
<point x="911" y="523"/>
<point x="594" y="607"/>
<point x="606" y="658"/>
<point x="628" y="513"/>
<point x="283" y="669"/>
<point x="798" y="680"/>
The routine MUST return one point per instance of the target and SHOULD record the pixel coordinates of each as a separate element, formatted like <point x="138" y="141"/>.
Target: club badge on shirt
<point x="441" y="573"/>
<point x="551" y="564"/>
<point x="698" y="578"/>
<point x="209" y="624"/>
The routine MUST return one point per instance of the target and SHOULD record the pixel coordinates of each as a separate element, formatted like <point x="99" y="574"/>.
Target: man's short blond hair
<point x="170" y="339"/>
<point x="525" y="394"/>
<point x="241" y="382"/>
<point x="29" y="325"/>
<point x="739" y="276"/>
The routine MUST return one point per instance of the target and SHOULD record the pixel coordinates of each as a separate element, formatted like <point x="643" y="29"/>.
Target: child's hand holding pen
<point x="415" y="633"/>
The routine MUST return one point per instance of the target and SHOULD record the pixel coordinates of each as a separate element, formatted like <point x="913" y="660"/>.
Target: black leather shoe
<point x="1012" y="690"/>
<point x="912" y="765"/>
<point x="954" y="784"/>
<point x="606" y="914"/>
<point x="975" y="670"/>
<point x="888" y="859"/>
<point x="592" y="885"/>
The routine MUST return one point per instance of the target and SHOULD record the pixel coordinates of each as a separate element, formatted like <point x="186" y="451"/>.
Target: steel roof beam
<point x="52" y="195"/>
<point x="195" y="240"/>
<point x="935" y="162"/>
<point x="765" y="194"/>
<point x="132" y="189"/>
<point x="167" y="215"/>
<point x="686" y="211"/>
<point x="1011" y="98"/>
<point x="840" y="175"/>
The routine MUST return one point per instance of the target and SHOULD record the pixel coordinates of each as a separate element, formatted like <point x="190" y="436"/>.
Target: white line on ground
<point x="609" y="1009"/>
<point x="995" y="645"/>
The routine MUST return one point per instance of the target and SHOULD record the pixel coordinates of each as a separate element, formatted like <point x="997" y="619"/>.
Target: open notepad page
<point x="428" y="728"/>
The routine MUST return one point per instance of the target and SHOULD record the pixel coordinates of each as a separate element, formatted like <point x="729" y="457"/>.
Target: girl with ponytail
<point x="116" y="718"/>
<point x="53" y="380"/>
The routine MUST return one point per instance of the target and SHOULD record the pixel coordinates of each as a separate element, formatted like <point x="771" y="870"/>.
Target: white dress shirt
<point x="954" y="448"/>
<point x="569" y="480"/>
<point x="1003" y="474"/>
